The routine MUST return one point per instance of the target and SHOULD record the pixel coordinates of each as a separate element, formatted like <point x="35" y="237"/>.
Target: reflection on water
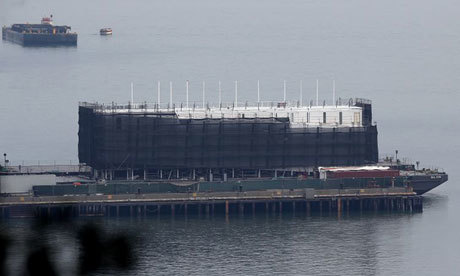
<point x="435" y="200"/>
<point x="372" y="243"/>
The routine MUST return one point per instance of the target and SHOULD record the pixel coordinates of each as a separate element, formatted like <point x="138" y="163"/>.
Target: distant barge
<point x="44" y="34"/>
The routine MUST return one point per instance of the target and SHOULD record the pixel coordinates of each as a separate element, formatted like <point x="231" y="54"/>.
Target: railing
<point x="42" y="162"/>
<point x="157" y="107"/>
<point x="361" y="101"/>
<point x="390" y="160"/>
<point x="46" y="166"/>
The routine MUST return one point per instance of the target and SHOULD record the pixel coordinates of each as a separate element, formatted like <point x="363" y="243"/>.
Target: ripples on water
<point x="372" y="243"/>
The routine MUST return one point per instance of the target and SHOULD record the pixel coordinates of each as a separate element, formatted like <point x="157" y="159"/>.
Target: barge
<point x="231" y="147"/>
<point x="44" y="34"/>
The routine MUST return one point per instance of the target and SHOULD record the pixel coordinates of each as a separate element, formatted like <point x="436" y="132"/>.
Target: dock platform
<point x="309" y="201"/>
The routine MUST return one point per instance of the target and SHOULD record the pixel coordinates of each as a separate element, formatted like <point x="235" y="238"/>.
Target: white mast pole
<point x="186" y="93"/>
<point x="220" y="96"/>
<point x="317" y="92"/>
<point x="284" y="91"/>
<point x="132" y="92"/>
<point x="236" y="93"/>
<point x="333" y="92"/>
<point x="159" y="94"/>
<point x="204" y="93"/>
<point x="258" y="93"/>
<point x="301" y="93"/>
<point x="170" y="94"/>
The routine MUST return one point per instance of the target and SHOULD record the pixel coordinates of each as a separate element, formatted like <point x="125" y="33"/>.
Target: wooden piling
<point x="348" y="206"/>
<point x="108" y="206"/>
<point x="339" y="206"/>
<point x="241" y="208"/>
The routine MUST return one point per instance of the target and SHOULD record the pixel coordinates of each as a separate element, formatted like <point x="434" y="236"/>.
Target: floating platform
<point x="44" y="34"/>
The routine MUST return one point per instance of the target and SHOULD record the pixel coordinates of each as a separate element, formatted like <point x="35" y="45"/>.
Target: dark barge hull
<point x="424" y="183"/>
<point x="36" y="39"/>
<point x="420" y="185"/>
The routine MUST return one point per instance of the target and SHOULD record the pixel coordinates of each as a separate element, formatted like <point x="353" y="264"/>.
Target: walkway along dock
<point x="208" y="203"/>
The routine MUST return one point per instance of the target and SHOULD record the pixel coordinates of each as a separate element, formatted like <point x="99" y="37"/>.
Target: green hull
<point x="132" y="187"/>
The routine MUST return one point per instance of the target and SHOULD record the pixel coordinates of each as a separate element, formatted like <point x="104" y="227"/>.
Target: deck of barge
<point x="208" y="203"/>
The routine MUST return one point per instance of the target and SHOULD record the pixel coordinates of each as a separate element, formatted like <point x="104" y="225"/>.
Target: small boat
<point x="105" y="31"/>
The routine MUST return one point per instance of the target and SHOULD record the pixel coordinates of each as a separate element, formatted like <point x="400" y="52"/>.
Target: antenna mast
<point x="258" y="93"/>
<point x="186" y="93"/>
<point x="236" y="93"/>
<point x="317" y="92"/>
<point x="132" y="92"/>
<point x="284" y="95"/>
<point x="170" y="94"/>
<point x="333" y="92"/>
<point x="301" y="93"/>
<point x="204" y="93"/>
<point x="159" y="94"/>
<point x="220" y="96"/>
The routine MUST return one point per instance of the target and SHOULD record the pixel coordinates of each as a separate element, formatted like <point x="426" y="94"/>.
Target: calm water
<point x="404" y="55"/>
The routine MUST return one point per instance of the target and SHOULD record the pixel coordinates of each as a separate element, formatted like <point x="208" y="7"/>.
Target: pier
<point x="309" y="201"/>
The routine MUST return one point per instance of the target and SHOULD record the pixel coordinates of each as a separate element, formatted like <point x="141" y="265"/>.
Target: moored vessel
<point x="385" y="174"/>
<point x="43" y="34"/>
<point x="263" y="146"/>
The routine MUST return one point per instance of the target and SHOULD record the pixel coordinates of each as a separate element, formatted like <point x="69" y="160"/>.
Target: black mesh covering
<point x="161" y="140"/>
